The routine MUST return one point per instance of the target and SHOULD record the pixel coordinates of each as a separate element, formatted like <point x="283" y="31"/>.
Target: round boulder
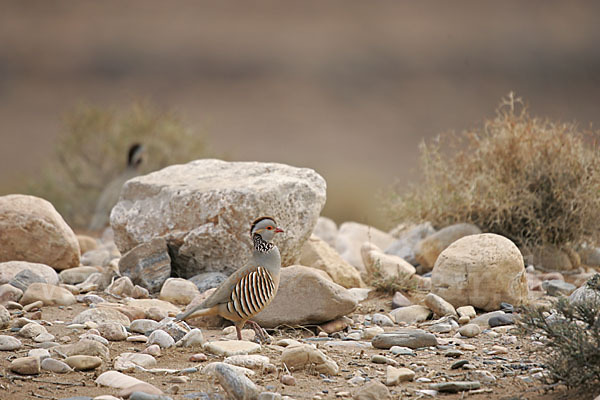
<point x="32" y="230"/>
<point x="480" y="270"/>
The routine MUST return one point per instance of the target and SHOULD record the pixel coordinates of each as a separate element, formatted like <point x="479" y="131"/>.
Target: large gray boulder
<point x="204" y="210"/>
<point x="32" y="230"/>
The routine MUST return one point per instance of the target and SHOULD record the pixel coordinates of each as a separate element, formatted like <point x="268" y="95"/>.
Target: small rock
<point x="143" y="325"/>
<point x="33" y="306"/>
<point x="25" y="365"/>
<point x="198" y="357"/>
<point x="32" y="330"/>
<point x="250" y="361"/>
<point x="440" y="328"/>
<point x="83" y="347"/>
<point x="117" y="380"/>
<point x="232" y="348"/>
<point x="288" y="380"/>
<point x="483" y="319"/>
<point x="411" y="314"/>
<point x="399" y="300"/>
<point x="237" y="386"/>
<point x="453" y="353"/>
<point x="498" y="350"/>
<point x="402" y="351"/>
<point x="439" y="306"/>
<point x="336" y="325"/>
<point x="178" y="291"/>
<point x="56" y="366"/>
<point x="374" y="390"/>
<point x="396" y="375"/>
<point x="557" y="287"/>
<point x="482" y="376"/>
<point x="83" y="363"/>
<point x="412" y="338"/>
<point x="142" y="391"/>
<point x="192" y="338"/>
<point x="269" y="396"/>
<point x="469" y="330"/>
<point x="501" y="320"/>
<point x="113" y="331"/>
<point x="128" y="361"/>
<point x="381" y="320"/>
<point x="101" y="315"/>
<point x="371" y="332"/>
<point x="466" y="311"/>
<point x="153" y="350"/>
<point x="44" y="337"/>
<point x="458" y="364"/>
<point x="74" y="276"/>
<point x="456" y="386"/>
<point x="161" y="338"/>
<point x="121" y="287"/>
<point x="50" y="295"/>
<point x="9" y="343"/>
<point x="298" y="357"/>
<point x="9" y="293"/>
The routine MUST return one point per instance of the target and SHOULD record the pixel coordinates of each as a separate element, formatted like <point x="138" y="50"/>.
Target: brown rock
<point x="26" y="365"/>
<point x="304" y="297"/>
<point x="428" y="249"/>
<point x="481" y="270"/>
<point x="83" y="363"/>
<point x="49" y="294"/>
<point x="32" y="230"/>
<point x="374" y="390"/>
<point x="316" y="253"/>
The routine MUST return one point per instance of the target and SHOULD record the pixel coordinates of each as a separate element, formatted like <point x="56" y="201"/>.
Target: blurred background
<point x="348" y="88"/>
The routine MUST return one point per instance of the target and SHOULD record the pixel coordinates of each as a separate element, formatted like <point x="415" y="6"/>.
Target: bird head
<point x="266" y="227"/>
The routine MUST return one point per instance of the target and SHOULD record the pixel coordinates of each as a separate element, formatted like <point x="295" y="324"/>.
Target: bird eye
<point x="270" y="227"/>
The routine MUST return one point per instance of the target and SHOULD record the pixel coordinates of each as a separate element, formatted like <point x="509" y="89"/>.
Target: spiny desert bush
<point x="530" y="179"/>
<point x="92" y="150"/>
<point x="571" y="338"/>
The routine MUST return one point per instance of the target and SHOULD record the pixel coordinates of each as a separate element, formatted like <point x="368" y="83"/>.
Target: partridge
<point x="110" y="195"/>
<point x="252" y="287"/>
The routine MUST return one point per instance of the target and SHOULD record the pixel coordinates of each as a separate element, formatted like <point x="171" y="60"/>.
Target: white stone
<point x="178" y="291"/>
<point x="101" y="315"/>
<point x="161" y="338"/>
<point x="411" y="314"/>
<point x="386" y="265"/>
<point x="128" y="361"/>
<point x="299" y="357"/>
<point x="250" y="361"/>
<point x="396" y="375"/>
<point x="232" y="347"/>
<point x="50" y="294"/>
<point x="351" y="237"/>
<point x="9" y="343"/>
<point x="205" y="208"/>
<point x="439" y="306"/>
<point x="192" y="338"/>
<point x="480" y="270"/>
<point x="117" y="380"/>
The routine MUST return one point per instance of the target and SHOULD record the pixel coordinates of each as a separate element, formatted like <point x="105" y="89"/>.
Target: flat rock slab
<point x="147" y="264"/>
<point x="232" y="348"/>
<point x="204" y="210"/>
<point x="454" y="387"/>
<point x="411" y="338"/>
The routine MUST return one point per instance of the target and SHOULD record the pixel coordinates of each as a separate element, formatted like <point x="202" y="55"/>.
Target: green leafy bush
<point x="570" y="338"/>
<point x="92" y="151"/>
<point x="532" y="180"/>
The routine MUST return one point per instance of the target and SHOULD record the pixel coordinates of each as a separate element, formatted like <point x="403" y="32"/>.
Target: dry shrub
<point x="570" y="338"/>
<point x="532" y="180"/>
<point x="92" y="150"/>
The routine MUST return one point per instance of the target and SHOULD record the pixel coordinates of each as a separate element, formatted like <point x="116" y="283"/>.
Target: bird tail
<point x="194" y="312"/>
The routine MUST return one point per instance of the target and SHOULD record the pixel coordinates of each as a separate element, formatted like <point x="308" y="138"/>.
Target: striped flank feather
<point x="251" y="294"/>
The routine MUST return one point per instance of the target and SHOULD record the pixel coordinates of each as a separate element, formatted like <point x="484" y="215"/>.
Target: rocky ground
<point x="503" y="363"/>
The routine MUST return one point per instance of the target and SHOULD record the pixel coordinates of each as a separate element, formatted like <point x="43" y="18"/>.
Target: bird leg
<point x="238" y="330"/>
<point x="261" y="334"/>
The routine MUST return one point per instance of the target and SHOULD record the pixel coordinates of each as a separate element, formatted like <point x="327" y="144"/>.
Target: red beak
<point x="278" y="230"/>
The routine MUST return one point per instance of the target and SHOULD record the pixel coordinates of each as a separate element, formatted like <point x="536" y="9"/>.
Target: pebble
<point x="482" y="376"/>
<point x="33" y="306"/>
<point x="128" y="361"/>
<point x="371" y="332"/>
<point x="147" y="396"/>
<point x="396" y="375"/>
<point x="161" y="338"/>
<point x="458" y="364"/>
<point x="56" y="366"/>
<point x="402" y="351"/>
<point x="558" y="287"/>
<point x="237" y="386"/>
<point x="412" y="338"/>
<point x="373" y="390"/>
<point x="32" y="330"/>
<point x="83" y="363"/>
<point x="379" y="359"/>
<point x="439" y="306"/>
<point x="143" y="325"/>
<point x="232" y="348"/>
<point x="453" y="353"/>
<point x="456" y="386"/>
<point x="112" y="331"/>
<point x="153" y="350"/>
<point x="288" y="380"/>
<point x="501" y="320"/>
<point x="137" y="339"/>
<point x="9" y="343"/>
<point x="469" y="330"/>
<point x="12" y="305"/>
<point x="498" y="350"/>
<point x="381" y="320"/>
<point x="192" y="338"/>
<point x="198" y="357"/>
<point x="42" y="354"/>
<point x="25" y="365"/>
<point x="251" y="361"/>
<point x="44" y="337"/>
<point x="269" y="396"/>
